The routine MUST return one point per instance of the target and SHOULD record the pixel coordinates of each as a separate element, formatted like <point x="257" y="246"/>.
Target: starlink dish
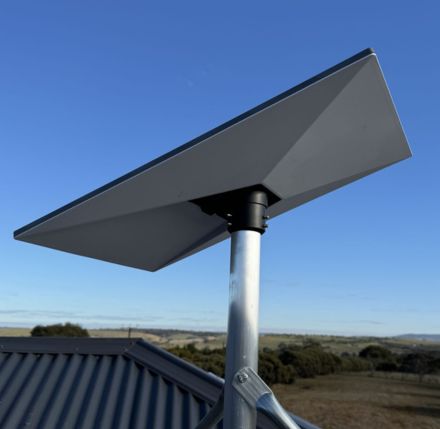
<point x="329" y="131"/>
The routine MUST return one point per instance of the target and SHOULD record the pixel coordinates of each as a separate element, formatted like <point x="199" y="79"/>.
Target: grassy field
<point x="363" y="402"/>
<point x="14" y="332"/>
<point x="168" y="339"/>
<point x="212" y="340"/>
<point x="171" y="338"/>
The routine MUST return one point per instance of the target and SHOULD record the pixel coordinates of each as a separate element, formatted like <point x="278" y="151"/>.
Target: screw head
<point x="242" y="377"/>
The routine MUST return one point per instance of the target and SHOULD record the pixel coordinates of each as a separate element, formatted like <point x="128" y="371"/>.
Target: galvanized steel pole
<point x="242" y="341"/>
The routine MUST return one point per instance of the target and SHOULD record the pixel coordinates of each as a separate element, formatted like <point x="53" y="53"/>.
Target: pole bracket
<point x="242" y="209"/>
<point x="258" y="395"/>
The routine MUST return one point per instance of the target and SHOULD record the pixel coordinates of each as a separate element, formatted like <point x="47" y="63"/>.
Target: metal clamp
<point x="259" y="395"/>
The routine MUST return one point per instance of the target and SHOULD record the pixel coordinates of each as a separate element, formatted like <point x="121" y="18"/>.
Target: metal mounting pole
<point x="244" y="392"/>
<point x="242" y="341"/>
<point x="245" y="212"/>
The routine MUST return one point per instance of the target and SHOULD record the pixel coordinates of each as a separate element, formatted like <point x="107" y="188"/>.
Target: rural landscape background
<point x="92" y="90"/>
<point x="334" y="382"/>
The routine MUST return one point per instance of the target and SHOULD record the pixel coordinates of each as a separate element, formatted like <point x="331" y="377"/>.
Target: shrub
<point x="310" y="360"/>
<point x="59" y="330"/>
<point x="381" y="358"/>
<point x="355" y="363"/>
<point x="272" y="370"/>
<point x="376" y="353"/>
<point x="417" y="363"/>
<point x="387" y="366"/>
<point x="286" y="363"/>
<point x="207" y="359"/>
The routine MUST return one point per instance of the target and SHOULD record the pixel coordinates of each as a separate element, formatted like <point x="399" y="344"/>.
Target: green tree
<point x="381" y="358"/>
<point x="59" y="330"/>
<point x="272" y="370"/>
<point x="374" y="352"/>
<point x="417" y="363"/>
<point x="355" y="363"/>
<point x="310" y="360"/>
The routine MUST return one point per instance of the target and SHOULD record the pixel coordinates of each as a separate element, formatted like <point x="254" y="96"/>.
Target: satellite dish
<point x="329" y="131"/>
<point x="310" y="140"/>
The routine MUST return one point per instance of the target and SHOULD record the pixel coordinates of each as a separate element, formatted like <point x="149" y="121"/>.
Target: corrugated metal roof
<point x="87" y="383"/>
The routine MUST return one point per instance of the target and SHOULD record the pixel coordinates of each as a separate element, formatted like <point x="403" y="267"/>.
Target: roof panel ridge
<point x="66" y="345"/>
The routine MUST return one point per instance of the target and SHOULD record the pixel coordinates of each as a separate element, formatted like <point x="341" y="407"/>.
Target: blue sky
<point x="91" y="90"/>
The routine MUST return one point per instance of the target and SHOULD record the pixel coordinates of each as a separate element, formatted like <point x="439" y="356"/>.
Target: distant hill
<point x="435" y="338"/>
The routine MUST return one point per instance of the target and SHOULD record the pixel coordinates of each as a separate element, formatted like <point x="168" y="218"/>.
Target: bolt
<point x="242" y="377"/>
<point x="266" y="217"/>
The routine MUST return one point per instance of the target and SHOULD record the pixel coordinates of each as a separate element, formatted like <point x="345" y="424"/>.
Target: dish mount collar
<point x="243" y="209"/>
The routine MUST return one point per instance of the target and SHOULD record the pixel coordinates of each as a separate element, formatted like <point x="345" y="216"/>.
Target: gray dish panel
<point x="307" y="142"/>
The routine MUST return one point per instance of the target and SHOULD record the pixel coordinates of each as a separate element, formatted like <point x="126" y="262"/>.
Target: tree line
<point x="282" y="365"/>
<point x="415" y="362"/>
<point x="289" y="362"/>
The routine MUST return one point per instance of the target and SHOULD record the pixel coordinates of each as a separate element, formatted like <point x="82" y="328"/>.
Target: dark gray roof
<point x="102" y="383"/>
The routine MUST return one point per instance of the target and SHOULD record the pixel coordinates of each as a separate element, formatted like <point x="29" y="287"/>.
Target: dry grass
<point x="14" y="332"/>
<point x="212" y="340"/>
<point x="165" y="339"/>
<point x="361" y="402"/>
